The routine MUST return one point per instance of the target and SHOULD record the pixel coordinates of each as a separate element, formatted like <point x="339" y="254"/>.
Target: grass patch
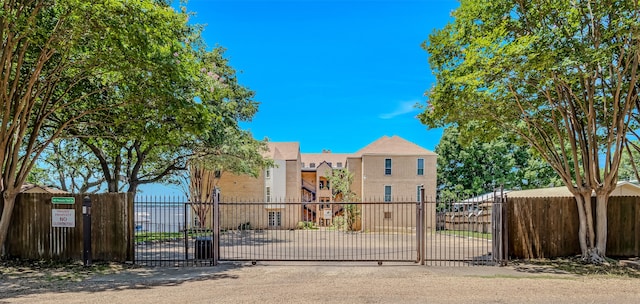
<point x="167" y="236"/>
<point x="466" y="233"/>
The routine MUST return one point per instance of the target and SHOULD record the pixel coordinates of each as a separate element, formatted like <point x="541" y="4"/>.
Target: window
<point x="418" y="193"/>
<point x="268" y="194"/>
<point x="217" y="174"/>
<point x="325" y="200"/>
<point x="302" y="165"/>
<point x="312" y="165"/>
<point x="275" y="219"/>
<point x="267" y="173"/>
<point x="339" y="165"/>
<point x="329" y="163"/>
<point x="387" y="193"/>
<point x="387" y="166"/>
<point x="420" y="166"/>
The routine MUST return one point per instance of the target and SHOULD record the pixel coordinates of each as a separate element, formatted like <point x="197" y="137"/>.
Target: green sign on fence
<point x="63" y="200"/>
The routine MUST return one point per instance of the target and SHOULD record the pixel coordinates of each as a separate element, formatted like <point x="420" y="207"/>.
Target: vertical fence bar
<point x="186" y="232"/>
<point x="215" y="230"/>
<point x="420" y="227"/>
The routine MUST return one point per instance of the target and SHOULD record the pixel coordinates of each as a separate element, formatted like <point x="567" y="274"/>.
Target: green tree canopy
<point x="59" y="61"/>
<point x="468" y="167"/>
<point x="189" y="109"/>
<point x="561" y="75"/>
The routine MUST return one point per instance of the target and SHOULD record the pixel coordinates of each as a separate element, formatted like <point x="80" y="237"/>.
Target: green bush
<point x="340" y="223"/>
<point x="306" y="225"/>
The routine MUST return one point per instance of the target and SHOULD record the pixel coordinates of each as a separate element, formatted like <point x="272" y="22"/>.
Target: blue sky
<point x="322" y="69"/>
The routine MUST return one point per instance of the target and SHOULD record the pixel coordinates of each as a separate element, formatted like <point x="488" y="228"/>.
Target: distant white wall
<point x="277" y="181"/>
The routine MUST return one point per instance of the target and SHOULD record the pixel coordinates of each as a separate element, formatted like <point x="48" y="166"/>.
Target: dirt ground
<point x="319" y="283"/>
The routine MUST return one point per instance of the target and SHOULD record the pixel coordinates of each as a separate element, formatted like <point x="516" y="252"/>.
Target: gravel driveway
<point x="326" y="283"/>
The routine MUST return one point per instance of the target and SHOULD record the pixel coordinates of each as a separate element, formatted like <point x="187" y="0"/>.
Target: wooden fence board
<point x="548" y="227"/>
<point x="31" y="235"/>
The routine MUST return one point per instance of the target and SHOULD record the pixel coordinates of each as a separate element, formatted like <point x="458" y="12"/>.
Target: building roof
<point x="385" y="145"/>
<point x="283" y="150"/>
<point x="317" y="158"/>
<point x="487" y="197"/>
<point x="33" y="188"/>
<point x="393" y="145"/>
<point x="623" y="188"/>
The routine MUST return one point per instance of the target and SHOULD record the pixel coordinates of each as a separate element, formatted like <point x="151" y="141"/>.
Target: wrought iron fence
<point x="172" y="232"/>
<point x="462" y="233"/>
<point x="467" y="232"/>
<point x="309" y="231"/>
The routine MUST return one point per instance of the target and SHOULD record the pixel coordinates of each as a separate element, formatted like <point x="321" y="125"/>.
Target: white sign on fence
<point x="63" y="218"/>
<point x="327" y="214"/>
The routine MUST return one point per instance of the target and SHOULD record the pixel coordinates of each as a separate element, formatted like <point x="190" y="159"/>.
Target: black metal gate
<point x="172" y="232"/>
<point x="317" y="231"/>
<point x="469" y="232"/>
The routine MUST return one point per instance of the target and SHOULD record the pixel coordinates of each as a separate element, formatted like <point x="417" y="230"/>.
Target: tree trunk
<point x="112" y="186"/>
<point x="8" y="200"/>
<point x="602" y="201"/>
<point x="133" y="188"/>
<point x="588" y="212"/>
<point x="592" y="252"/>
<point x="582" y="230"/>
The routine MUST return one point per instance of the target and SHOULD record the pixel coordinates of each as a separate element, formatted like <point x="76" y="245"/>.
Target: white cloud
<point x="403" y="108"/>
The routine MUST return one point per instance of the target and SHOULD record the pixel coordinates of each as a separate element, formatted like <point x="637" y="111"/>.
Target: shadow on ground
<point x="575" y="266"/>
<point x="23" y="278"/>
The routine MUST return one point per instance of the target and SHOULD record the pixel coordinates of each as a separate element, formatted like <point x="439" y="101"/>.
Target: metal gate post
<point x="505" y="230"/>
<point x="186" y="228"/>
<point x="86" y="231"/>
<point x="216" y="226"/>
<point x="420" y="227"/>
<point x="500" y="228"/>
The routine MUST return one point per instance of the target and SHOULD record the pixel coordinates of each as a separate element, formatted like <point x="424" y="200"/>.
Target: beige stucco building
<point x="390" y="169"/>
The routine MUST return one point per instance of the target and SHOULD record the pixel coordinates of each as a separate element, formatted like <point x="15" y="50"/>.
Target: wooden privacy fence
<point x="459" y="220"/>
<point x="548" y="227"/>
<point x="32" y="234"/>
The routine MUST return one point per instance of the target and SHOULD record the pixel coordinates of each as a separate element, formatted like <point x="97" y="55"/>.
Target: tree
<point x="239" y="153"/>
<point x="71" y="167"/>
<point x="469" y="167"/>
<point x="561" y="75"/>
<point x="58" y="58"/>
<point x="180" y="116"/>
<point x="340" y="181"/>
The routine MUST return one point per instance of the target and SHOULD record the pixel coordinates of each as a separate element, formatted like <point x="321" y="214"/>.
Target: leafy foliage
<point x="341" y="180"/>
<point x="472" y="167"/>
<point x="186" y="110"/>
<point x="61" y="60"/>
<point x="561" y="76"/>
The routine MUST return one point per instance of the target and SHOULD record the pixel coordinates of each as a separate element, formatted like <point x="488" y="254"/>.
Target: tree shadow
<point x="20" y="279"/>
<point x="574" y="266"/>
